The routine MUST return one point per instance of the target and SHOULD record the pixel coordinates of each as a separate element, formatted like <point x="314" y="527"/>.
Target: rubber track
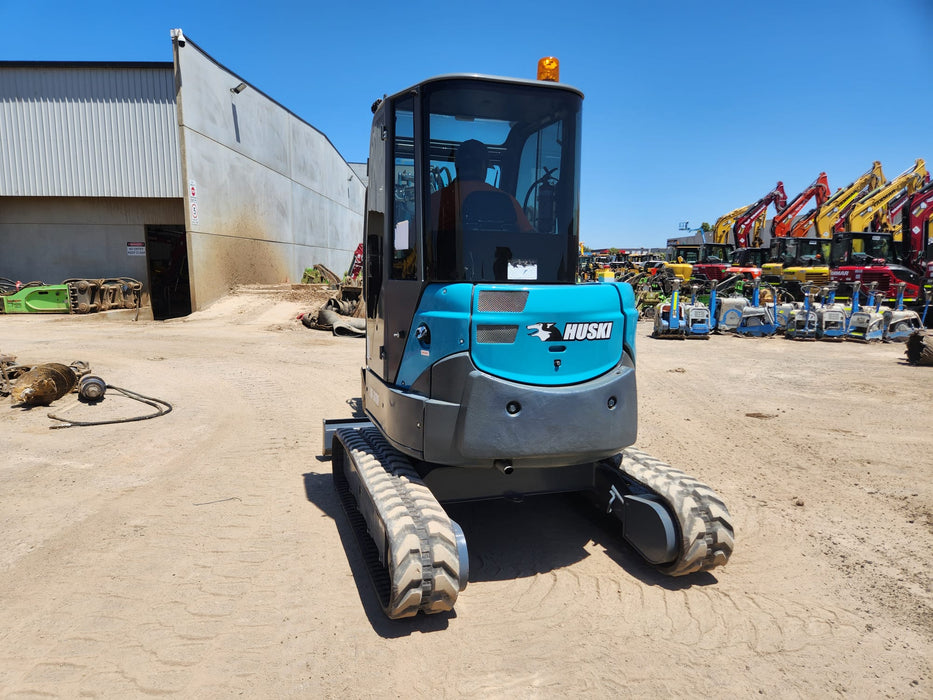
<point x="421" y="571"/>
<point x="706" y="533"/>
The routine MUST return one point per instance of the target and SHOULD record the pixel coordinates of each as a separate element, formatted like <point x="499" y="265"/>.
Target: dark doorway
<point x="167" y="260"/>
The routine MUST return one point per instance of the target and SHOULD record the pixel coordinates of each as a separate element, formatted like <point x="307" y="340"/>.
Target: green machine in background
<point x="47" y="299"/>
<point x="72" y="296"/>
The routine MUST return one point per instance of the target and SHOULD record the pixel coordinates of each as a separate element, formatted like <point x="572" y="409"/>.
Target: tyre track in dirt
<point x="238" y="420"/>
<point x="205" y="555"/>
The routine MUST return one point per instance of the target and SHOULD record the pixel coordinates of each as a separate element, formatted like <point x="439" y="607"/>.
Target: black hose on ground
<point x="162" y="408"/>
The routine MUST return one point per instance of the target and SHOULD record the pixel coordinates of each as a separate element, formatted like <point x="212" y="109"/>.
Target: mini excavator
<point x="490" y="372"/>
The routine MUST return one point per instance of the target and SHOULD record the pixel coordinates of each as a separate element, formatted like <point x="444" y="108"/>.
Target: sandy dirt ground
<point x="204" y="554"/>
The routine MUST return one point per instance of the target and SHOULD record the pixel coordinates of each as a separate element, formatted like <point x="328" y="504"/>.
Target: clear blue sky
<point x="692" y="108"/>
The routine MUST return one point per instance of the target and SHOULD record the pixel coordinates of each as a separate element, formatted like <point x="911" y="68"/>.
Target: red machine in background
<point x="783" y="223"/>
<point x="356" y="267"/>
<point x="872" y="256"/>
<point x="692" y="256"/>
<point x="752" y="220"/>
<point x="917" y="231"/>
<point x="865" y="245"/>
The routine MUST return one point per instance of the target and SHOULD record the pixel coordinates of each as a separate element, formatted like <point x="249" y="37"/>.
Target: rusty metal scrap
<point x="44" y="384"/>
<point x="7" y="373"/>
<point x="90" y="295"/>
<point x="920" y="348"/>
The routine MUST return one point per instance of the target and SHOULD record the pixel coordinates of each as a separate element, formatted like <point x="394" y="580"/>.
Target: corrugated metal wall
<point x="88" y="131"/>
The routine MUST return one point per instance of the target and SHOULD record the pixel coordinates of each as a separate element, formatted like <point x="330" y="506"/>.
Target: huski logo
<point x="601" y="330"/>
<point x="545" y="331"/>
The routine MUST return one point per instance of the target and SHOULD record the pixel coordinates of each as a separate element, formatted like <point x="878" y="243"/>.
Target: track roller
<point x="415" y="553"/>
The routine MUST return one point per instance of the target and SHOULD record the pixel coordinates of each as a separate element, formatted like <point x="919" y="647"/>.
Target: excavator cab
<point x="436" y="215"/>
<point x="871" y="256"/>
<point x="795" y="262"/>
<point x="510" y="158"/>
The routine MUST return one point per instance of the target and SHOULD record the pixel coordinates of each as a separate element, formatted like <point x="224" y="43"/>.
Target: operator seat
<point x="490" y="210"/>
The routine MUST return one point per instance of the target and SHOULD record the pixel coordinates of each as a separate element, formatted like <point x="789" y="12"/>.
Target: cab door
<point x="392" y="238"/>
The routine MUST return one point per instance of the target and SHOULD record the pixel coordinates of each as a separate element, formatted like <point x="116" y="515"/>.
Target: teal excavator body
<point x="490" y="371"/>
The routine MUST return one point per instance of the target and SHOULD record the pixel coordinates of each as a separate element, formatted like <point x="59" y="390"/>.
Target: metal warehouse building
<point x="180" y="175"/>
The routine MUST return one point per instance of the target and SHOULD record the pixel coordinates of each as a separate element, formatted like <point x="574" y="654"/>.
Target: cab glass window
<point x="404" y="232"/>
<point x="501" y="167"/>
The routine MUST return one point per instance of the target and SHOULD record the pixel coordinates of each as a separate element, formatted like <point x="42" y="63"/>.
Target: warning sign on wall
<point x="135" y="248"/>
<point x="193" y="201"/>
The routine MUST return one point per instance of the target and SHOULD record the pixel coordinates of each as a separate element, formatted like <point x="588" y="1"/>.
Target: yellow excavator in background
<point x="734" y="228"/>
<point x="870" y="212"/>
<point x="724" y="224"/>
<point x="837" y="205"/>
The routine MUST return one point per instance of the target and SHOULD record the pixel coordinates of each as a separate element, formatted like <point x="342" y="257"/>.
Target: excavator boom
<point x="870" y="212"/>
<point x="747" y="221"/>
<point x="784" y="219"/>
<point x="801" y="227"/>
<point x="724" y="225"/>
<point x="834" y="208"/>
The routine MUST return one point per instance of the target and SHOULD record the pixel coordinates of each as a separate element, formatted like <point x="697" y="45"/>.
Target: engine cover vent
<point x="505" y="301"/>
<point x="496" y="334"/>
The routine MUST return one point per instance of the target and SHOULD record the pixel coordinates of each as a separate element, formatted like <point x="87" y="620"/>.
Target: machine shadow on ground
<point x="507" y="540"/>
<point x="540" y="534"/>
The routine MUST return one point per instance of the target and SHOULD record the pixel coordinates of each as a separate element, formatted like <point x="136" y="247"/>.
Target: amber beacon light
<point x="549" y="69"/>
